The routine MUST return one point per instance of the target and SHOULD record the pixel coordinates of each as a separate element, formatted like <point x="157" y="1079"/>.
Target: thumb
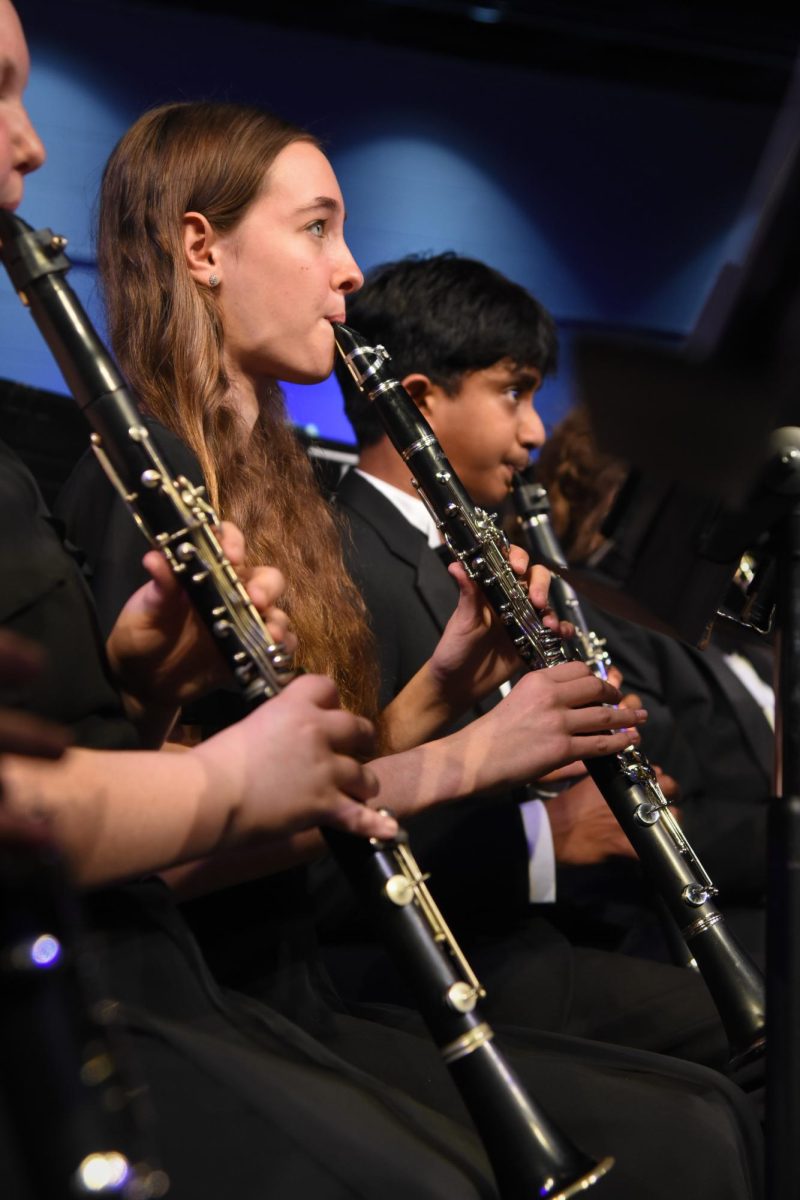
<point x="458" y="572"/>
<point x="161" y="575"/>
<point x="361" y="820"/>
<point x="471" y="611"/>
<point x="468" y="590"/>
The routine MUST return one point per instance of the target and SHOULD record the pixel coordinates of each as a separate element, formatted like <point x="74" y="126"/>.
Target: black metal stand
<point x="783" y="900"/>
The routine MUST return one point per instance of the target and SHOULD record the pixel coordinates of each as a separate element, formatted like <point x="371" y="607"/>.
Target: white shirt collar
<point x="411" y="507"/>
<point x="761" y="692"/>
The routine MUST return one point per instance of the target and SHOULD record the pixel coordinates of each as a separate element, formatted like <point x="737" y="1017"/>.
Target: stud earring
<point x="213" y="280"/>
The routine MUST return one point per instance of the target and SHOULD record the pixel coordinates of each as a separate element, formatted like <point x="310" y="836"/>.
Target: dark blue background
<point x="615" y="204"/>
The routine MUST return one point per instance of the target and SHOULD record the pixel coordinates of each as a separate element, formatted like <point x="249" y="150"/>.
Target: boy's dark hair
<point x="444" y="316"/>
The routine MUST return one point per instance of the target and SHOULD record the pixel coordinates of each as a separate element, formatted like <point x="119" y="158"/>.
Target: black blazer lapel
<point x="436" y="589"/>
<point x="753" y="724"/>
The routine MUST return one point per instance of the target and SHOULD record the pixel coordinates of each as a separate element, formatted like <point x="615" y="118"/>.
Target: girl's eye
<point x="317" y="228"/>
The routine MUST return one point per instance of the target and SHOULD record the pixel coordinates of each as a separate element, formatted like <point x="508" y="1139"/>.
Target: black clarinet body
<point x="627" y="781"/>
<point x="528" y="1153"/>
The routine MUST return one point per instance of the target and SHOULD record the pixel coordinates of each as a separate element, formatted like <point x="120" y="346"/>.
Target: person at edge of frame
<point x="711" y="724"/>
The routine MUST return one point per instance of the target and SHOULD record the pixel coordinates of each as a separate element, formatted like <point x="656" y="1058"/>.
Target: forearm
<point x="193" y="879"/>
<point x="432" y="701"/>
<point x="117" y="815"/>
<point x="291" y="765"/>
<point x="421" y="711"/>
<point x="549" y="720"/>
<point x="418" y="778"/>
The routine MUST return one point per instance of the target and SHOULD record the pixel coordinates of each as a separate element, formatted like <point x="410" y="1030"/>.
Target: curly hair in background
<point x="581" y="482"/>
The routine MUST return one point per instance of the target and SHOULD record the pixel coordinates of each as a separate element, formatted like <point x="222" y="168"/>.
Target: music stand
<point x="722" y="415"/>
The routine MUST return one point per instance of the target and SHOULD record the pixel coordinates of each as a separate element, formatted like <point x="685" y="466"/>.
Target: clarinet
<point x="626" y="781"/>
<point x="528" y="1153"/>
<point x="532" y="507"/>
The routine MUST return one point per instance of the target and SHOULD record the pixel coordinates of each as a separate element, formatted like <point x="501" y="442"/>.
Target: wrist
<point x="441" y="771"/>
<point x="418" y="713"/>
<point x="153" y="721"/>
<point x="220" y="809"/>
<point x="449" y="691"/>
<point x="125" y="668"/>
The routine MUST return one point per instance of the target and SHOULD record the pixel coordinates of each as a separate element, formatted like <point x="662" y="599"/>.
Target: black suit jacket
<point x="706" y="729"/>
<point x="476" y="852"/>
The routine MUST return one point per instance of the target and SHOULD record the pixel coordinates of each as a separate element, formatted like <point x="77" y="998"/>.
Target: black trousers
<point x="250" y="1105"/>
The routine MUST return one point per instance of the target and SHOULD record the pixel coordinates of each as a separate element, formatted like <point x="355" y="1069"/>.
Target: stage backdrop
<point x="616" y="205"/>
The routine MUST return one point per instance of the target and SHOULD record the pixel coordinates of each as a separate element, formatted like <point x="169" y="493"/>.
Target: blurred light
<point x="45" y="951"/>
<point x="104" y="1172"/>
<point x="97" y="1069"/>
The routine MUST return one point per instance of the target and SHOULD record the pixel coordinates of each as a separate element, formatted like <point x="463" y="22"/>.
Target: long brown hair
<point x="167" y="333"/>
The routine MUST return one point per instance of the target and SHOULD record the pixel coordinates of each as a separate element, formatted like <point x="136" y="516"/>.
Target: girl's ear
<point x="200" y="246"/>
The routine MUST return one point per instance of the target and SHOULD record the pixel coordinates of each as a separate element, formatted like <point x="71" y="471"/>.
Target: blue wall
<point x="613" y="204"/>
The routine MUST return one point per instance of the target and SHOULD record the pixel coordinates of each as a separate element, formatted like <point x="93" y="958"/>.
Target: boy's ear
<point x="422" y="391"/>
<point x="200" y="246"/>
